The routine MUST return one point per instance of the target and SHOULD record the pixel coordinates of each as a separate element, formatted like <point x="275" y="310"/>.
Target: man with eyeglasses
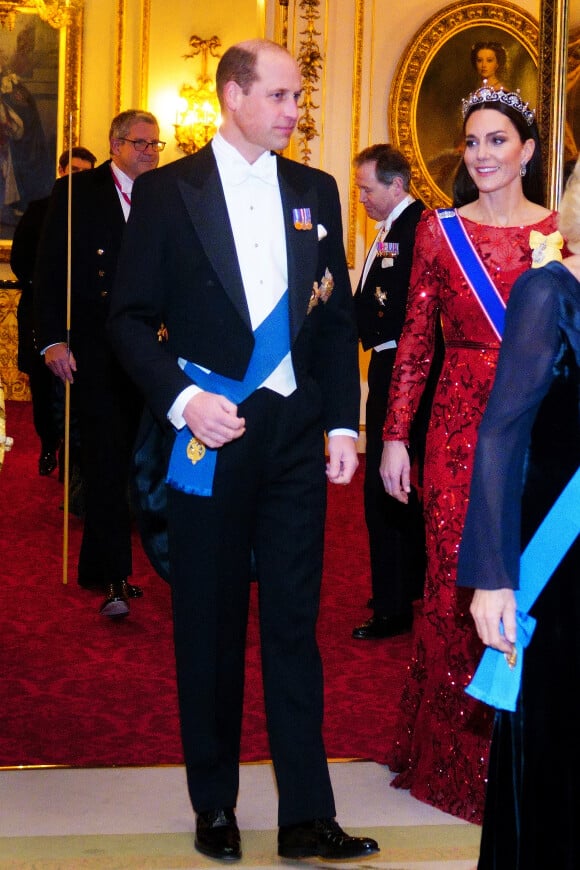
<point x="108" y="404"/>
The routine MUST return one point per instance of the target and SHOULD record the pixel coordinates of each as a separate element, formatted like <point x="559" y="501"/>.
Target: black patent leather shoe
<point x="115" y="605"/>
<point x="323" y="838"/>
<point x="217" y="835"/>
<point x="130" y="591"/>
<point x="47" y="463"/>
<point x="378" y="627"/>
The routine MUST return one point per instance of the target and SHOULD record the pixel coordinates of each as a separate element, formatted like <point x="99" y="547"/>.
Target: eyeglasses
<point x="144" y="144"/>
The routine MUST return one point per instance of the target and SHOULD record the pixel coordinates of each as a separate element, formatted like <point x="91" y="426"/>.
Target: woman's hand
<point x="490" y="608"/>
<point x="395" y="470"/>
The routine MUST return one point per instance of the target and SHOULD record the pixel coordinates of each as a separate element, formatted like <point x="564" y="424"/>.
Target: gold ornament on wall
<point x="310" y="62"/>
<point x="199" y="118"/>
<point x="56" y="13"/>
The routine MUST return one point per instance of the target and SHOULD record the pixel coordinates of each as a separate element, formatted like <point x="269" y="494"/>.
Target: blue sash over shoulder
<point x="473" y="269"/>
<point x="192" y="464"/>
<point x="496" y="682"/>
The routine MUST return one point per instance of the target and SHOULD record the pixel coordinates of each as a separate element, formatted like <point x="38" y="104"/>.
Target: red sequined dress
<point x="442" y="737"/>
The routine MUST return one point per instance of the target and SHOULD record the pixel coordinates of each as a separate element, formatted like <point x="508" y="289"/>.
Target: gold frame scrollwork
<point x="70" y="61"/>
<point x="416" y="85"/>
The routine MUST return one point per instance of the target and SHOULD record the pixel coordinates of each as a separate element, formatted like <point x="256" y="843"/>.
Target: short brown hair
<point x="238" y="64"/>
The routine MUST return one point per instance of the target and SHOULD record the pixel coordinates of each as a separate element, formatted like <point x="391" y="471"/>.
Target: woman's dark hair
<point x="465" y="189"/>
<point x="498" y="50"/>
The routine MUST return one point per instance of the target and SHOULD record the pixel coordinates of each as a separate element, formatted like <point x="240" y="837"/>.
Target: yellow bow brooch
<point x="545" y="248"/>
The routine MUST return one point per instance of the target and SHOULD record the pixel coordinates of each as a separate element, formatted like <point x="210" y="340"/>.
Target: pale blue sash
<point x="495" y="682"/>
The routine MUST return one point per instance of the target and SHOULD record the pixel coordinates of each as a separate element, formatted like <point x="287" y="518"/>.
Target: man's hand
<point x="342" y="459"/>
<point x="395" y="470"/>
<point x="61" y="362"/>
<point x="489" y="608"/>
<point x="213" y="419"/>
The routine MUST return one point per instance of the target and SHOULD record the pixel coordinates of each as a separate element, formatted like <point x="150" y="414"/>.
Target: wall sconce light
<point x="199" y="117"/>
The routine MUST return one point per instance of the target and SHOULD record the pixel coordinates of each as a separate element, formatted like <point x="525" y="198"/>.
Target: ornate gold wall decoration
<point x="145" y="39"/>
<point x="355" y="132"/>
<point x="557" y="77"/>
<point x="310" y="61"/>
<point x="15" y="382"/>
<point x="120" y="40"/>
<point x="434" y="74"/>
<point x="57" y="13"/>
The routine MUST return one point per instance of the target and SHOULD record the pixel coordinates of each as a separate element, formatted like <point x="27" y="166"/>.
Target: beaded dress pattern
<point x="441" y="743"/>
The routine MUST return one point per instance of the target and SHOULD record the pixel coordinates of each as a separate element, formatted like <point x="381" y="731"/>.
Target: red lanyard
<point x="125" y="196"/>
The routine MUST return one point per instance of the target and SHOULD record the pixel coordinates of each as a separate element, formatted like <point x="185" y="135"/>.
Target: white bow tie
<point x="265" y="168"/>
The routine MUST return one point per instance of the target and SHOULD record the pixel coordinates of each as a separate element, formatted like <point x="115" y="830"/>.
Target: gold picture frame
<point x="435" y="73"/>
<point x="62" y="120"/>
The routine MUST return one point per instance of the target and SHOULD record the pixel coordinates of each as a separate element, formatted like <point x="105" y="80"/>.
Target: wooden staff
<point x="66" y="475"/>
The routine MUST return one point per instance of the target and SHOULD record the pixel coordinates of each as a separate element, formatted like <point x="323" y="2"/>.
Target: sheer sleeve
<point x="417" y="343"/>
<point x="490" y="548"/>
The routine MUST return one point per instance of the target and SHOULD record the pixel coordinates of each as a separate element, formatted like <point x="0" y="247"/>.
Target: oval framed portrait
<point x="450" y="57"/>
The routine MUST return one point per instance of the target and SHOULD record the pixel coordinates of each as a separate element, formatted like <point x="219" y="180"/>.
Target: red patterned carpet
<point x="78" y="689"/>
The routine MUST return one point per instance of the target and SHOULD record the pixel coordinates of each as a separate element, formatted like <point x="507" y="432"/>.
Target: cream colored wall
<point x="149" y="70"/>
<point x="113" y="80"/>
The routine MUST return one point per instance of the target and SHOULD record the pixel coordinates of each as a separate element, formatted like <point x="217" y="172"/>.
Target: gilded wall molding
<point x="355" y="131"/>
<point x="552" y="78"/>
<point x="145" y="45"/>
<point x="119" y="45"/>
<point x="310" y="62"/>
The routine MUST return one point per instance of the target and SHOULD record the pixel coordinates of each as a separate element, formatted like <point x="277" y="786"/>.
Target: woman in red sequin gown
<point x="441" y="743"/>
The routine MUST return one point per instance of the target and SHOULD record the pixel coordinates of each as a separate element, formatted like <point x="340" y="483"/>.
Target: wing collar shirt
<point x="124" y="187"/>
<point x="255" y="210"/>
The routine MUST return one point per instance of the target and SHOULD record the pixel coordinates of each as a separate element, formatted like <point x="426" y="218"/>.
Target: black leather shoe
<point x="47" y="463"/>
<point x="115" y="604"/>
<point x="323" y="838"/>
<point x="217" y="835"/>
<point x="130" y="591"/>
<point x="383" y="626"/>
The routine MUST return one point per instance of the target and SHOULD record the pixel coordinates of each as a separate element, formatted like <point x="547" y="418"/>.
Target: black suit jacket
<point x="98" y="225"/>
<point x="378" y="322"/>
<point x="22" y="261"/>
<point x="178" y="265"/>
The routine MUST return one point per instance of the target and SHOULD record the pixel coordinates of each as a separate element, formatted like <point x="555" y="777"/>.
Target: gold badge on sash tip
<point x="195" y="450"/>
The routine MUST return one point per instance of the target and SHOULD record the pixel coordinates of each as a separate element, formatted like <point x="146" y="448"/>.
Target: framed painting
<point x="40" y="56"/>
<point x="449" y="57"/>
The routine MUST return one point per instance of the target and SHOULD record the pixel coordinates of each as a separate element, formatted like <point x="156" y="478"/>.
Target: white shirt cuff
<point x="350" y="432"/>
<point x="175" y="413"/>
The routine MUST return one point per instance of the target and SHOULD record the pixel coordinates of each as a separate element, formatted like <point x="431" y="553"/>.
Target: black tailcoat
<point x="106" y="401"/>
<point x="179" y="266"/>
<point x="396" y="536"/>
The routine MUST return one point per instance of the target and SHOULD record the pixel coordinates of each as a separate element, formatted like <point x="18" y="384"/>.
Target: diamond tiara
<point x="487" y="94"/>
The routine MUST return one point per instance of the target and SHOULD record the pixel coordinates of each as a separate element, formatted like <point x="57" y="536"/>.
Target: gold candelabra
<point x="199" y="119"/>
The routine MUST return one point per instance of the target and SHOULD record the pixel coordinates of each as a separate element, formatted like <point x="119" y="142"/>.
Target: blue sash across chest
<point x="497" y="682"/>
<point x="192" y="464"/>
